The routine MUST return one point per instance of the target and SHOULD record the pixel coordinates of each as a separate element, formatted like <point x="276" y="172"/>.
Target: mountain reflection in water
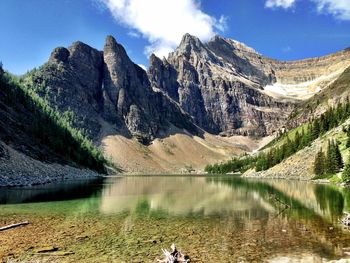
<point x="221" y="196"/>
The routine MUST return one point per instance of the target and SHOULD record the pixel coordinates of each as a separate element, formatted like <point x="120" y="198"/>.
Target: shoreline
<point x="18" y="169"/>
<point x="55" y="173"/>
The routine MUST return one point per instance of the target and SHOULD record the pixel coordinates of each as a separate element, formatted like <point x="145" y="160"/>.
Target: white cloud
<point x="338" y="8"/>
<point x="279" y="3"/>
<point x="164" y="22"/>
<point x="221" y="25"/>
<point x="133" y="34"/>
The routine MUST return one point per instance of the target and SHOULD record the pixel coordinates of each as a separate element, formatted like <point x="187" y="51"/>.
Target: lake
<point x="211" y="219"/>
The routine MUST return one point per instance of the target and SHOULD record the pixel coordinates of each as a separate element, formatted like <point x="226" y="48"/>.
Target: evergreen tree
<point x="338" y="157"/>
<point x="323" y="126"/>
<point x="289" y="147"/>
<point x="297" y="141"/>
<point x="261" y="163"/>
<point x="334" y="161"/>
<point x="331" y="167"/>
<point x="315" y="132"/>
<point x="346" y="171"/>
<point x="319" y="165"/>
<point x="347" y="105"/>
<point x="305" y="140"/>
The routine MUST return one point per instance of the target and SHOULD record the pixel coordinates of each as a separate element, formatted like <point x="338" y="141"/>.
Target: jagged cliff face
<point x="229" y="88"/>
<point x="107" y="87"/>
<point x="222" y="87"/>
<point x="71" y="82"/>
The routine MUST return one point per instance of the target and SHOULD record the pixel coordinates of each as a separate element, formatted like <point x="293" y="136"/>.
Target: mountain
<point x="222" y="95"/>
<point x="230" y="88"/>
<point x="101" y="88"/>
<point x="204" y="103"/>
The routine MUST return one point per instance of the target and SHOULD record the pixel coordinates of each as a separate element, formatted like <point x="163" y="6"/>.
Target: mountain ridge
<point x="222" y="88"/>
<point x="193" y="66"/>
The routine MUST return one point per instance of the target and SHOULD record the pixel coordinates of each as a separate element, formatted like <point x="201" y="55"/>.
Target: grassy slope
<point x="278" y="141"/>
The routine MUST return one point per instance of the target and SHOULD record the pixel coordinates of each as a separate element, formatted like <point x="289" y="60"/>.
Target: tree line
<point x="236" y="165"/>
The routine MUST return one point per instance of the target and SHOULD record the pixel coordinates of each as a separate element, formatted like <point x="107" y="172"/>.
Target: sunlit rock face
<point x="218" y="88"/>
<point x="230" y="88"/>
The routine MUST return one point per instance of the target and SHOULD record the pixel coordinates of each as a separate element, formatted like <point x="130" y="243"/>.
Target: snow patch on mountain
<point x="303" y="90"/>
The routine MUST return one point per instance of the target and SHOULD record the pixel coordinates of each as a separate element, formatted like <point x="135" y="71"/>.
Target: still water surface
<point x="212" y="219"/>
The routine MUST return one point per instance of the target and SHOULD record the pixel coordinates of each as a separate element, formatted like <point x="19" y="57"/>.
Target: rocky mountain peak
<point x="129" y="97"/>
<point x="154" y="60"/>
<point x="115" y="53"/>
<point x="59" y="54"/>
<point x="82" y="55"/>
<point x="219" y="84"/>
<point x="189" y="45"/>
<point x="110" y="40"/>
<point x="218" y="40"/>
<point x="106" y="88"/>
<point x="79" y="48"/>
<point x="79" y="45"/>
<point x="189" y="39"/>
<point x="112" y="46"/>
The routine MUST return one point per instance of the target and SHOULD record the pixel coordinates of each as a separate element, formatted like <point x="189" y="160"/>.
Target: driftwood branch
<point x="14" y="225"/>
<point x="174" y="257"/>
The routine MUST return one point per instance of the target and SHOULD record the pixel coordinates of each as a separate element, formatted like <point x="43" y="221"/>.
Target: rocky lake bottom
<point x="210" y="219"/>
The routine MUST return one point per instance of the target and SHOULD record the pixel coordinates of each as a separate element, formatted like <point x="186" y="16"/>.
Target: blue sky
<point x="282" y="29"/>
